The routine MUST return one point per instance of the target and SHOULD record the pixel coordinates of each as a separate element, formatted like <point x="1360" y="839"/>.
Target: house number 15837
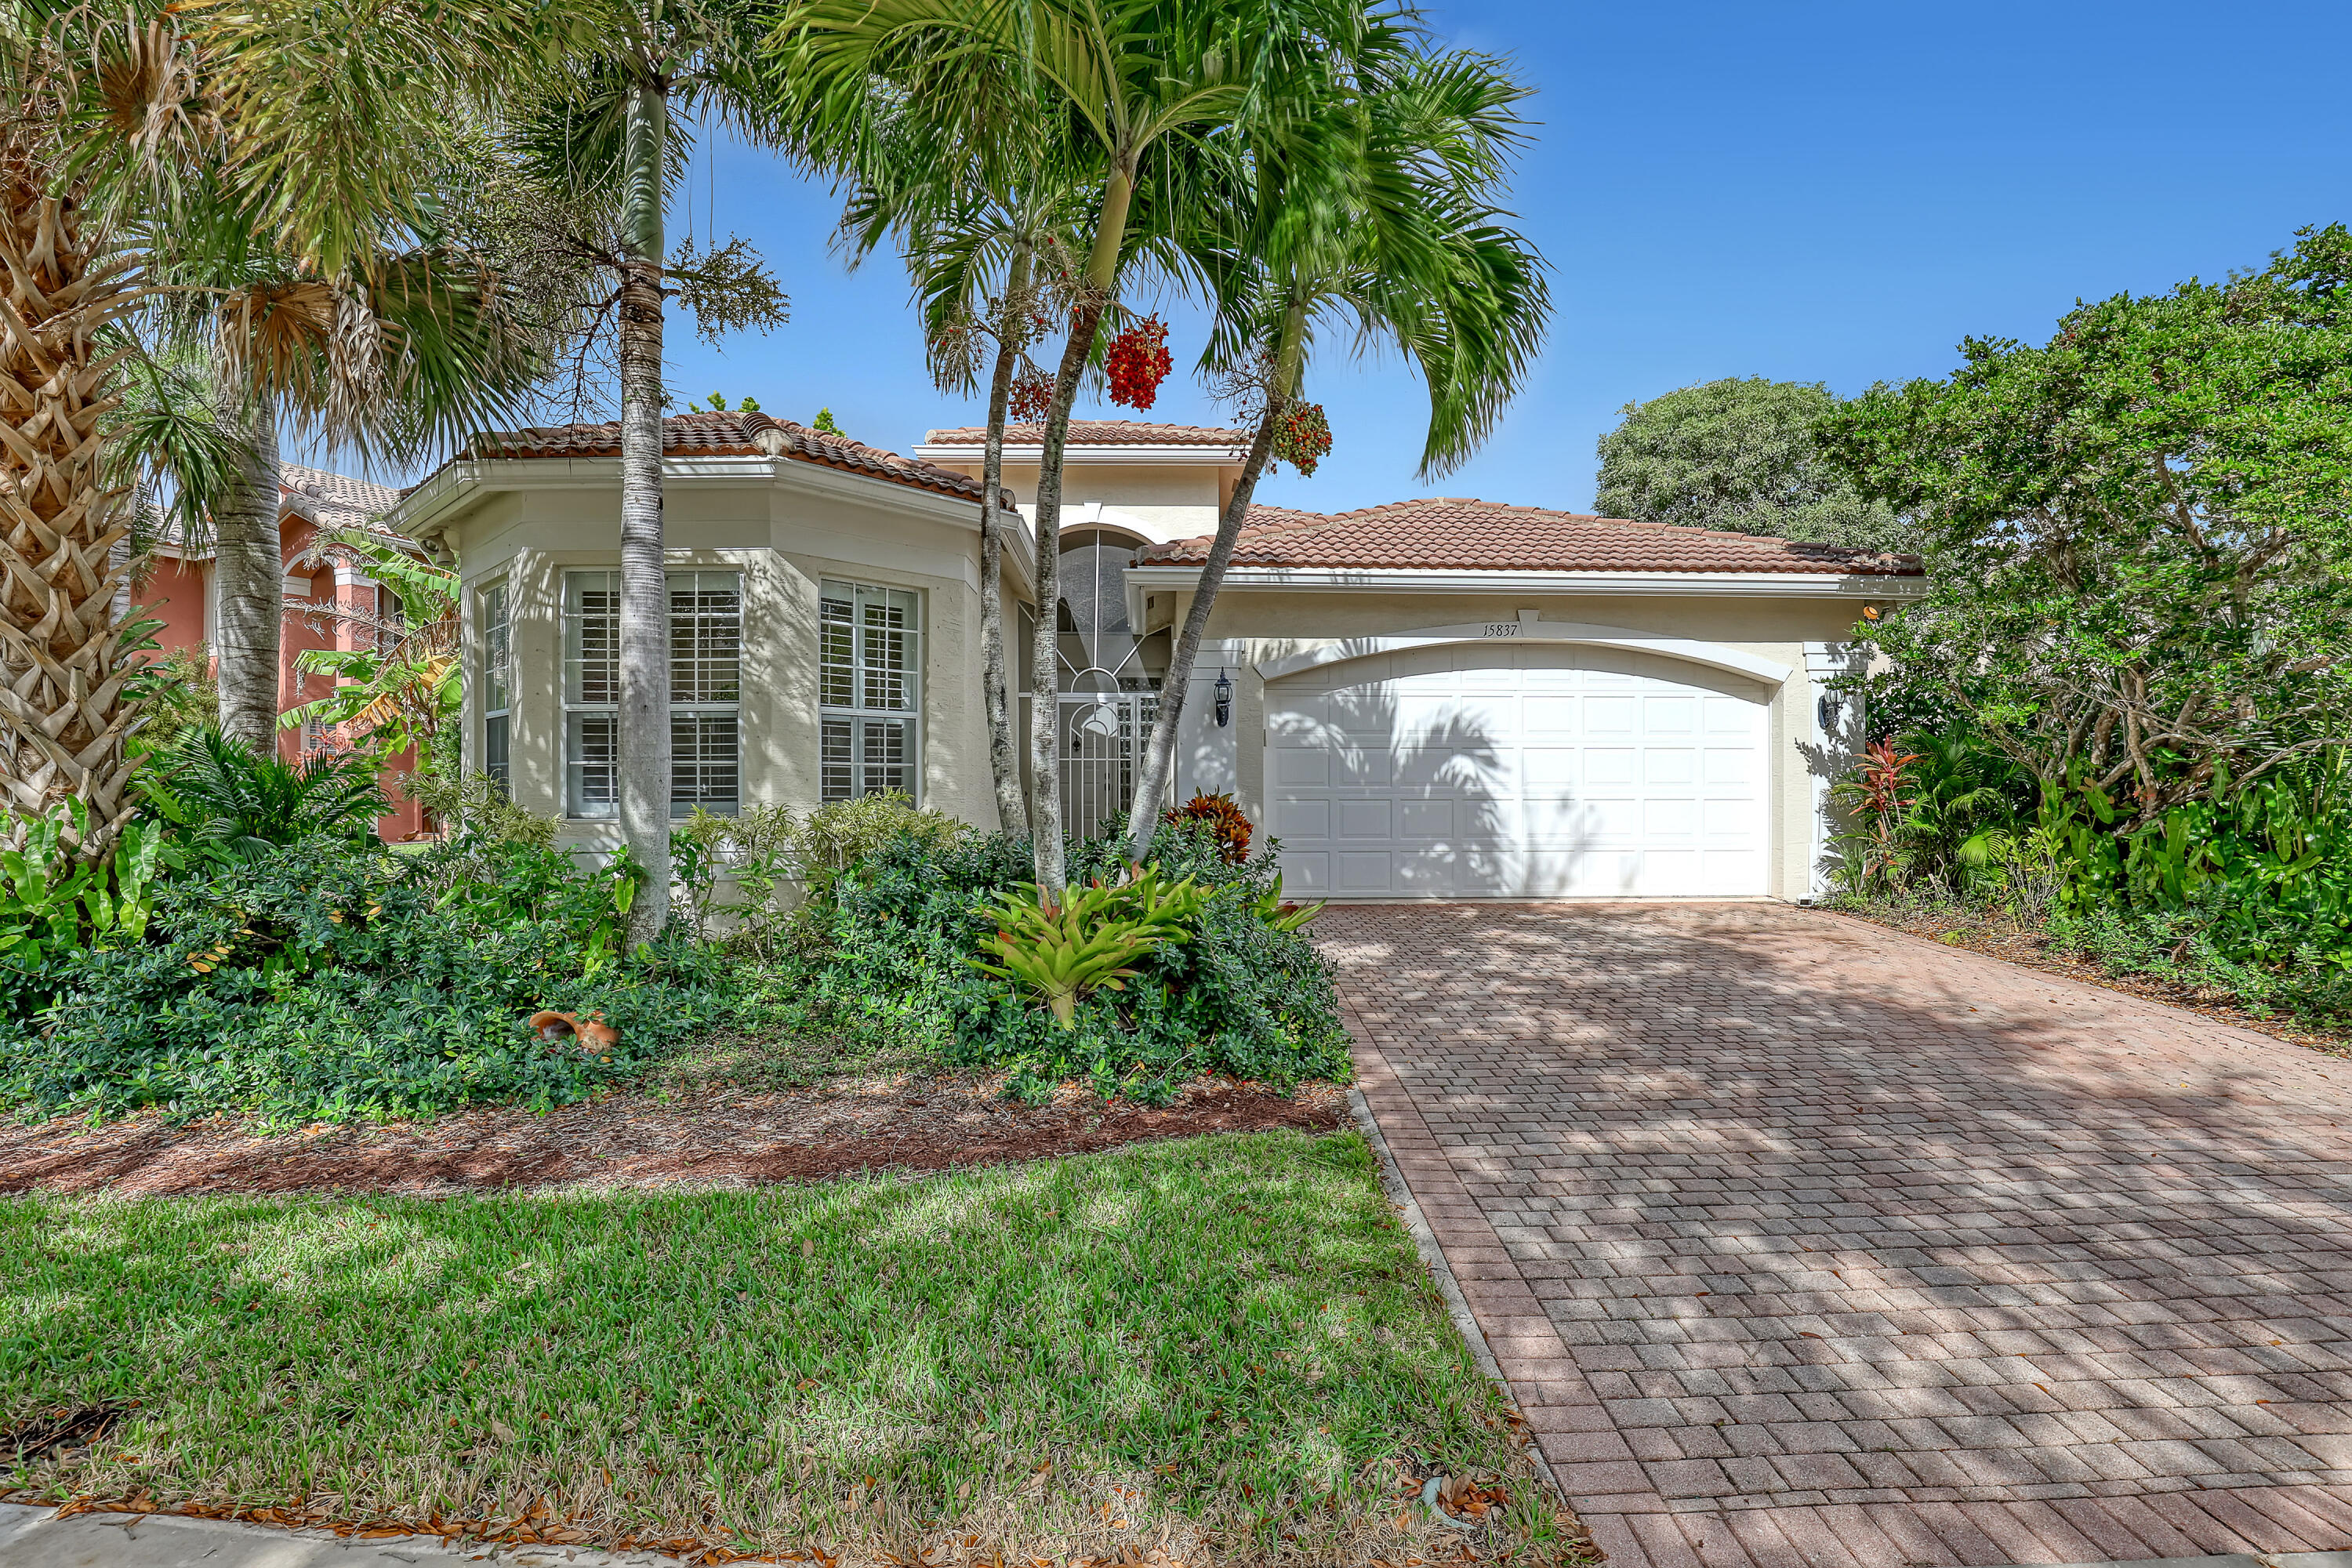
<point x="1502" y="629"/>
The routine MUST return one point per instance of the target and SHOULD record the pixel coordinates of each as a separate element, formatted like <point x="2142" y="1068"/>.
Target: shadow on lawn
<point x="1225" y="1336"/>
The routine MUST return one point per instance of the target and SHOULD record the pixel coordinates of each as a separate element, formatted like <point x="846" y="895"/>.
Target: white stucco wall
<point x="786" y="539"/>
<point x="1159" y="501"/>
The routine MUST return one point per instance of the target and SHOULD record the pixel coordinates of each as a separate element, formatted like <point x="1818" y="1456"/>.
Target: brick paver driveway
<point x="1803" y="1242"/>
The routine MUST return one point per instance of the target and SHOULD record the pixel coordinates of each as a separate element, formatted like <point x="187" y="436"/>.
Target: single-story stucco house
<point x="1430" y="698"/>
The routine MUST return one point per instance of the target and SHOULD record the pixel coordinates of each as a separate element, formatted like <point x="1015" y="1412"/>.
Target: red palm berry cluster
<point x="1138" y="363"/>
<point x="1302" y="437"/>
<point x="1033" y="395"/>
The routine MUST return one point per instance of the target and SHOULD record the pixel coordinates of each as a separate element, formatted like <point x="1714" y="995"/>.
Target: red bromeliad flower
<point x="1138" y="363"/>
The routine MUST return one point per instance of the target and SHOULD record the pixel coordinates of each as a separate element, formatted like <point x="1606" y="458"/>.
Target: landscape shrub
<point x="783" y="865"/>
<point x="209" y="969"/>
<point x="1240" y="995"/>
<point x="326" y="981"/>
<point x="2246" y="890"/>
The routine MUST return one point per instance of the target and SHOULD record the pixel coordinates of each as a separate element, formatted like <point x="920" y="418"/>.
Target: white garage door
<point x="1524" y="770"/>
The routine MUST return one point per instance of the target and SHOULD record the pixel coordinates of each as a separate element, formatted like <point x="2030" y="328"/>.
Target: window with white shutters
<point x="706" y="631"/>
<point x="870" y="659"/>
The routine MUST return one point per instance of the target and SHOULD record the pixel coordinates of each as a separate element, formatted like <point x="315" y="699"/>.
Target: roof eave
<point x="429" y="510"/>
<point x="1855" y="587"/>
<point x="1076" y="454"/>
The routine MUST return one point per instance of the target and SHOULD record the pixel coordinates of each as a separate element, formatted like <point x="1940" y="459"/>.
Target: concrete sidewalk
<point x="35" y="1538"/>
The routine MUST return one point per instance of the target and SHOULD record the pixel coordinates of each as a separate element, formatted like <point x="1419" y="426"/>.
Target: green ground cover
<point x="1221" y="1344"/>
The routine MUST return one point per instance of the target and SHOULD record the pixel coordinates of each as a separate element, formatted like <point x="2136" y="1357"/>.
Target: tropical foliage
<point x="1088" y="941"/>
<point x="2125" y="707"/>
<point x="401" y="684"/>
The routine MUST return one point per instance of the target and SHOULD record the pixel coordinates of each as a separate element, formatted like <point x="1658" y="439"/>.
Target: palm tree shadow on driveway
<point x="1826" y="1214"/>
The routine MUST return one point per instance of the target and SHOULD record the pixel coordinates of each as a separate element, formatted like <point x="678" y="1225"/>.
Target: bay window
<point x="497" y="702"/>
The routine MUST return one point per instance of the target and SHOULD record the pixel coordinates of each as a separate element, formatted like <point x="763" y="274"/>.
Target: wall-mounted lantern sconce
<point x="1224" y="700"/>
<point x="1829" y="712"/>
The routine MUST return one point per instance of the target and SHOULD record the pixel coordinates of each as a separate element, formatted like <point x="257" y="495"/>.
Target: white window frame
<point x="883" y="698"/>
<point x="704" y="707"/>
<point x="706" y="692"/>
<point x="495" y="603"/>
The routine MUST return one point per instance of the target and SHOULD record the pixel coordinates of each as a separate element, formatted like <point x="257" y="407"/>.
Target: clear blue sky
<point x="1832" y="192"/>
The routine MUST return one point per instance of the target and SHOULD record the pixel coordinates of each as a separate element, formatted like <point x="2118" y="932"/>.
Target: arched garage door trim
<point x="1531" y="766"/>
<point x="1525" y="629"/>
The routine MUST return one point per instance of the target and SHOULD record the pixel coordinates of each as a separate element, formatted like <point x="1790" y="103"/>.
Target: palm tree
<point x="415" y="354"/>
<point x="63" y="710"/>
<point x="121" y="125"/>
<point x="610" y="141"/>
<point x="987" y="227"/>
<point x="1388" y="229"/>
<point x="1126" y="76"/>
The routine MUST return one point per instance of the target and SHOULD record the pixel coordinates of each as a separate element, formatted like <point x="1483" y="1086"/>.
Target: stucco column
<point x="1208" y="754"/>
<point x="1836" y="725"/>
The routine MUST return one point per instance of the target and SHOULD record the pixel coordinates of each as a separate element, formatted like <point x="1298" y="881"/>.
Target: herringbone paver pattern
<point x="1805" y="1242"/>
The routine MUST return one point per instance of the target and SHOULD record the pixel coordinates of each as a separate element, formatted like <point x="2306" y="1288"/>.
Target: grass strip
<point x="1220" y="1348"/>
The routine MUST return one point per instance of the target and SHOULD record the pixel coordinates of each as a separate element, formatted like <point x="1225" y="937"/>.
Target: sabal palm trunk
<point x="644" y="739"/>
<point x="1046" y="679"/>
<point x="1004" y="760"/>
<point x="1143" y="814"/>
<point x="62" y="668"/>
<point x="249" y="586"/>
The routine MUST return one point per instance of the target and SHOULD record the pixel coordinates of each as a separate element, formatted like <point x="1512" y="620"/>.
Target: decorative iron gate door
<point x="1103" y="734"/>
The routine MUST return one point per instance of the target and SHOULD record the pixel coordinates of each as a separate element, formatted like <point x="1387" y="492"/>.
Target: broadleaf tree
<point x="2140" y="534"/>
<point x="1742" y="455"/>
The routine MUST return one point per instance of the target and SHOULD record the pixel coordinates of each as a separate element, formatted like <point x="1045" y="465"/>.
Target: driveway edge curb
<point x="1432" y="1257"/>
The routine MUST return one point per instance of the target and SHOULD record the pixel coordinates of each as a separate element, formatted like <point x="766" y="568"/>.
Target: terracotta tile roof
<point x="333" y="500"/>
<point x="326" y="500"/>
<point x="1449" y="532"/>
<point x="737" y="434"/>
<point x="1098" y="433"/>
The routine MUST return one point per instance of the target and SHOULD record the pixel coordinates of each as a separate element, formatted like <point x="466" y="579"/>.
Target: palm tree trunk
<point x="644" y="739"/>
<point x="249" y="586"/>
<point x="1003" y="762"/>
<point x="62" y="668"/>
<point x="1046" y="679"/>
<point x="1143" y="816"/>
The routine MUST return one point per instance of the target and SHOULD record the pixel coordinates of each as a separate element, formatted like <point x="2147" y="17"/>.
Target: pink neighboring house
<point x="180" y="593"/>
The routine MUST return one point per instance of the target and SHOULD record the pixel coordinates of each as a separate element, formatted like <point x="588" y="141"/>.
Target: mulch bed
<point x="2029" y="948"/>
<point x="626" y="1140"/>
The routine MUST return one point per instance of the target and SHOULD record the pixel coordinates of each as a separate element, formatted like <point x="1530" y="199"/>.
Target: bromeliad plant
<point x="1088" y="941"/>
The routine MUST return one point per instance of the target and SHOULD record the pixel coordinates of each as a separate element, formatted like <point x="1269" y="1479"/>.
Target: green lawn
<point x="1222" y="1345"/>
